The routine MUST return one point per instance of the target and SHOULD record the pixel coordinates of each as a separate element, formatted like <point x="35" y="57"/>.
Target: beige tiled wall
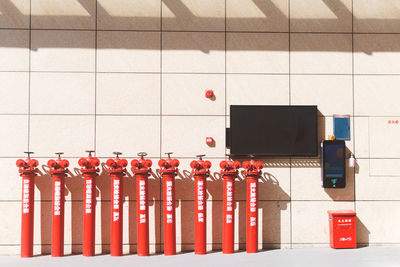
<point x="131" y="75"/>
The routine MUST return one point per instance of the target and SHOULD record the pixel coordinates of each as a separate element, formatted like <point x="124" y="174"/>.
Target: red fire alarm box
<point x="209" y="141"/>
<point x="342" y="228"/>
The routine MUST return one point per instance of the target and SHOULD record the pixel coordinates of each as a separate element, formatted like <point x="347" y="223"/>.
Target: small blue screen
<point x="341" y="128"/>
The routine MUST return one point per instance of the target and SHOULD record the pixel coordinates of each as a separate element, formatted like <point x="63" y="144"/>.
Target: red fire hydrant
<point x="89" y="172"/>
<point x="168" y="171"/>
<point x="116" y="169"/>
<point x="229" y="173"/>
<point x="200" y="171"/>
<point x="58" y="170"/>
<point x="27" y="170"/>
<point x="252" y="173"/>
<point x="141" y="169"/>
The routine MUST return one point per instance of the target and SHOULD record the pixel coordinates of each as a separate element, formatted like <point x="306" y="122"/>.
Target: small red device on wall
<point x="209" y="140"/>
<point x="209" y="93"/>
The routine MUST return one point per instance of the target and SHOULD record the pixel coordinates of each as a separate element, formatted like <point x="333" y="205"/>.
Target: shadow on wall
<point x="74" y="184"/>
<point x="270" y="211"/>
<point x="74" y="187"/>
<point x="44" y="184"/>
<point x="103" y="184"/>
<point x="274" y="18"/>
<point x="362" y="234"/>
<point x="185" y="182"/>
<point x="129" y="195"/>
<point x="271" y="205"/>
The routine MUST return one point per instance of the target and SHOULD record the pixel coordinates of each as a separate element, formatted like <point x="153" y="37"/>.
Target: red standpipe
<point x="27" y="170"/>
<point x="58" y="169"/>
<point x="168" y="171"/>
<point x="116" y="169"/>
<point x="229" y="173"/>
<point x="200" y="172"/>
<point x="141" y="169"/>
<point x="252" y="173"/>
<point x="89" y="172"/>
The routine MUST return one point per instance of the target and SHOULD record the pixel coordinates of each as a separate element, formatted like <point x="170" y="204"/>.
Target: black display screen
<point x="273" y="130"/>
<point x="334" y="164"/>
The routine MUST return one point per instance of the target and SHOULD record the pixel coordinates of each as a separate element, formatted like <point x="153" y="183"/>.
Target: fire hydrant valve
<point x="168" y="171"/>
<point x="116" y="169"/>
<point x="27" y="169"/>
<point x="200" y="172"/>
<point x="58" y="166"/>
<point x="141" y="169"/>
<point x="58" y="170"/>
<point x="89" y="172"/>
<point x="89" y="164"/>
<point x="252" y="173"/>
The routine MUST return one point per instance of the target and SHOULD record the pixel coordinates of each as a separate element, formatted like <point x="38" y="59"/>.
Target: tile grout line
<point x="225" y="80"/>
<point x="29" y="75"/>
<point x="95" y="85"/>
<point x="205" y="73"/>
<point x="161" y="115"/>
<point x="220" y="200"/>
<point x="353" y="95"/>
<point x="165" y="115"/>
<point x="205" y="31"/>
<point x="290" y="103"/>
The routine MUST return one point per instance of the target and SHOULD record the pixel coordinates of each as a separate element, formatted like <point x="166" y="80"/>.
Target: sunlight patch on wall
<point x="388" y="9"/>
<point x="131" y="8"/>
<point x="59" y="8"/>
<point x="317" y="9"/>
<point x="20" y="5"/>
<point x="249" y="8"/>
<point x="186" y="8"/>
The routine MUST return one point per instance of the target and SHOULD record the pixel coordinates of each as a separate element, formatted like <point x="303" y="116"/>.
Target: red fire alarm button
<point x="209" y="140"/>
<point x="209" y="93"/>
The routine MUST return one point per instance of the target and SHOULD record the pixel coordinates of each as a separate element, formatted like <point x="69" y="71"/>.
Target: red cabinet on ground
<point x="342" y="228"/>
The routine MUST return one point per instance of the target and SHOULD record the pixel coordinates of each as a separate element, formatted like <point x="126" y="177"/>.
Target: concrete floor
<point x="310" y="257"/>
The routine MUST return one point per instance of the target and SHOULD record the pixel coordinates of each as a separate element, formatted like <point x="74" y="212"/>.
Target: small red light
<point x="209" y="93"/>
<point x="209" y="140"/>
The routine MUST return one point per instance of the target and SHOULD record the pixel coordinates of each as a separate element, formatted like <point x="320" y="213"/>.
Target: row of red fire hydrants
<point x="141" y="169"/>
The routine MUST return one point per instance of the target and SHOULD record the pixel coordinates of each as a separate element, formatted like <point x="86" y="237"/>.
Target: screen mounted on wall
<point x="273" y="130"/>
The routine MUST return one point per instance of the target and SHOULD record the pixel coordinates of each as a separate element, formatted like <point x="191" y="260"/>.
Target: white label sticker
<point x="57" y="198"/>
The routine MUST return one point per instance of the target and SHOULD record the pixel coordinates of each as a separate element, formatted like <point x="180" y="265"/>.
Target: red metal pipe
<point x="116" y="169"/>
<point x="200" y="171"/>
<point x="27" y="170"/>
<point x="58" y="169"/>
<point x="229" y="173"/>
<point x="141" y="169"/>
<point x="252" y="173"/>
<point x="168" y="171"/>
<point x="89" y="172"/>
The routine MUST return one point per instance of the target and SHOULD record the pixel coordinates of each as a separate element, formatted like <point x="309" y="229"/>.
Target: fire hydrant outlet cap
<point x="194" y="164"/>
<point x="111" y="163"/>
<point x="33" y="163"/>
<point x="51" y="163"/>
<point x="175" y="163"/>
<point x="223" y="164"/>
<point x="162" y="162"/>
<point x="21" y="163"/>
